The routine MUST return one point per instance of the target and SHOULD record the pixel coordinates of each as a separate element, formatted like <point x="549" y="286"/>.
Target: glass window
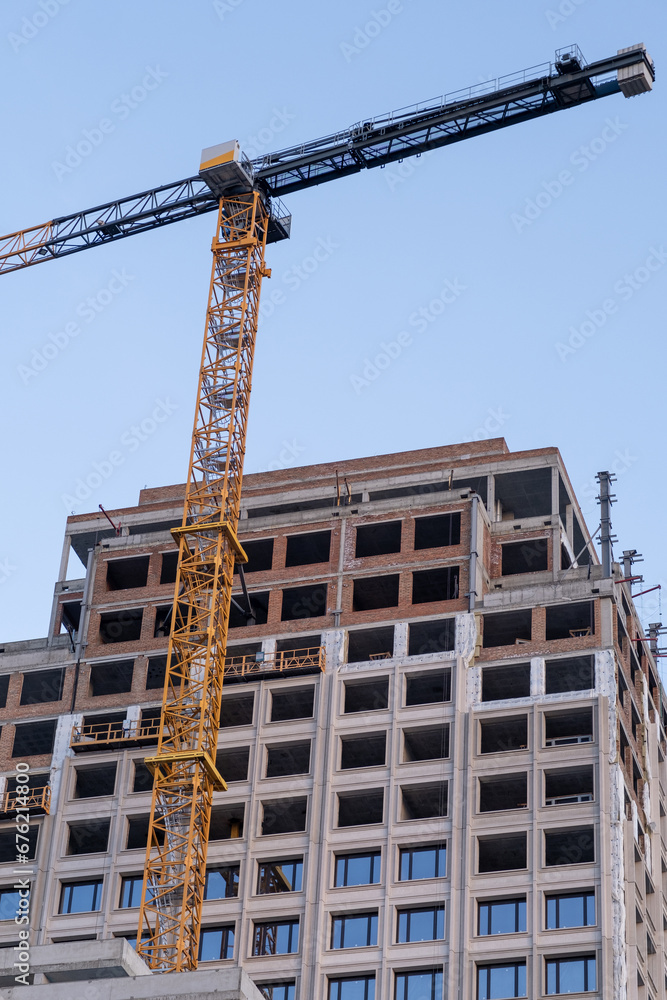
<point x="276" y="938"/>
<point x="356" y="931"/>
<point x="81" y="897"/>
<point x="9" y="903"/>
<point x="571" y="975"/>
<point x="424" y="924"/>
<point x="358" y="869"/>
<point x="216" y="943"/>
<point x="130" y="891"/>
<point x="424" y="984"/>
<point x="361" y="988"/>
<point x="277" y="991"/>
<point x="500" y="981"/>
<point x="571" y="910"/>
<point x="222" y="883"/>
<point x="502" y="916"/>
<point x="423" y="862"/>
<point x="280" y="876"/>
<point x="132" y="941"/>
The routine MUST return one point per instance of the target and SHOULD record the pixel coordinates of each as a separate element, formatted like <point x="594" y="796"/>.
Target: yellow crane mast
<point x="185" y="774"/>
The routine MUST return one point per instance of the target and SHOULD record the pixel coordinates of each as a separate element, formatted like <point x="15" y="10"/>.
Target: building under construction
<point x="442" y="732"/>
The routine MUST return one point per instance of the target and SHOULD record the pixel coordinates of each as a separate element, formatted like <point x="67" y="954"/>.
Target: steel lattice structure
<point x="374" y="142"/>
<point x="250" y="214"/>
<point x="184" y="766"/>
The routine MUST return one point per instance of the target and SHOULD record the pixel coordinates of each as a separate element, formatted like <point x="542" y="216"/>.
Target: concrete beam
<point x="209" y="984"/>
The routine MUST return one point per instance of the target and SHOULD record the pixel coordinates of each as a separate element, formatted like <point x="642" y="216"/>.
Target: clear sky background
<point x="272" y="75"/>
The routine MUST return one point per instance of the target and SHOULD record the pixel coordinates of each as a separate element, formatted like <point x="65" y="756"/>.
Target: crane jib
<point x="374" y="142"/>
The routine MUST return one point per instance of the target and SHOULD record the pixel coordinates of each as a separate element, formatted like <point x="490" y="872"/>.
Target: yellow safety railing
<point x="19" y="800"/>
<point x="114" y="732"/>
<point x="278" y="663"/>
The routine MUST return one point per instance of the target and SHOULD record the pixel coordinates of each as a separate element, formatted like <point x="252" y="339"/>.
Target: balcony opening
<point x="288" y="758"/>
<point x="42" y="686"/>
<point x="507" y="628"/>
<point x="530" y="556"/>
<point x="31" y="738"/>
<point x="237" y="710"/>
<point x="426" y="743"/>
<point x="564" y="728"/>
<point x="239" y="651"/>
<point x="298" y="642"/>
<point x="576" y="673"/>
<point x="504" y="735"/>
<point x="71" y="616"/>
<point x="478" y="484"/>
<point x="508" y="791"/>
<point x="524" y="494"/>
<point x="373" y="592"/>
<point x="305" y="549"/>
<point x="370" y="644"/>
<point x="574" y="846"/>
<point x="137" y="832"/>
<point x="150" y="720"/>
<point x="169" y="567"/>
<point x="437" y="531"/>
<point x="564" y="787"/>
<point x="502" y="853"/>
<point x="366" y="696"/>
<point x="232" y="763"/>
<point x="156" y="672"/>
<point x="89" y="837"/>
<point x="424" y="801"/>
<point x="512" y="681"/>
<point x="429" y="688"/>
<point x="4" y="688"/>
<point x="94" y="781"/>
<point x="121" y="626"/>
<point x="260" y="555"/>
<point x="142" y="779"/>
<point x="243" y="617"/>
<point x="149" y="723"/>
<point x="378" y="539"/>
<point x="567" y="621"/>
<point x="36" y="779"/>
<point x="431" y="585"/>
<point x="227" y="821"/>
<point x="8" y="846"/>
<point x="110" y="723"/>
<point x="304" y="602"/>
<point x="293" y="703"/>
<point x="126" y="574"/>
<point x="111" y="677"/>
<point x="240" y="616"/>
<point x="284" y="816"/>
<point x="163" y="616"/>
<point x="360" y="808"/>
<point x="369" y="750"/>
<point x="434" y="636"/>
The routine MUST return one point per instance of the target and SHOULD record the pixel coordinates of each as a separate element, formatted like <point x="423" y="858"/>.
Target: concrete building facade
<point x="443" y="735"/>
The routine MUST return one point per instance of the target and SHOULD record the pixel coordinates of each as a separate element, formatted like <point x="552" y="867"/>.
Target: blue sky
<point x="272" y="75"/>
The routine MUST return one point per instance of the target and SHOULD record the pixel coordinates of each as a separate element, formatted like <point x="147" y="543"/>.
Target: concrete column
<point x="537" y="677"/>
<point x="401" y="639"/>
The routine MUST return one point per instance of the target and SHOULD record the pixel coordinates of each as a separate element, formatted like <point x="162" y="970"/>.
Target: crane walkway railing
<point x="310" y="660"/>
<point x="34" y="800"/>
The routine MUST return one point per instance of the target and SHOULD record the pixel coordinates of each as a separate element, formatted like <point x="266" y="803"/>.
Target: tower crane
<point x="246" y="196"/>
